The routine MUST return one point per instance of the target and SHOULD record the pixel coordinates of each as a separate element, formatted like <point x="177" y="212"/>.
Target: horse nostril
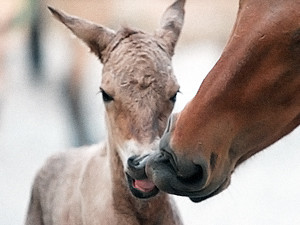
<point x="169" y="157"/>
<point x="196" y="177"/>
<point x="167" y="130"/>
<point x="191" y="173"/>
<point x="170" y="123"/>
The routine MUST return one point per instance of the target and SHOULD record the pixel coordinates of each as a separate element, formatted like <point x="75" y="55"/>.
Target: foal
<point x="93" y="185"/>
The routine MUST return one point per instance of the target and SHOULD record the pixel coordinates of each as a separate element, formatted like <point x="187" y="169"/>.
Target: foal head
<point x="138" y="87"/>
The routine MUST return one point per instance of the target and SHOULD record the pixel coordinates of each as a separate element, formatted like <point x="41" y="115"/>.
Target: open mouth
<point x="142" y="188"/>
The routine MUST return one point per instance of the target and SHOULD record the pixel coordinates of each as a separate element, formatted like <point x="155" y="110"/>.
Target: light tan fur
<point x="88" y="185"/>
<point x="84" y="186"/>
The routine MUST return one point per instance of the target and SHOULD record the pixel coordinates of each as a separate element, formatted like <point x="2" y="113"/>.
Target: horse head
<point x="249" y="100"/>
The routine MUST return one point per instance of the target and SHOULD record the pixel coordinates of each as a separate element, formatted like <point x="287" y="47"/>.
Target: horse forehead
<point x="138" y="61"/>
<point x="137" y="54"/>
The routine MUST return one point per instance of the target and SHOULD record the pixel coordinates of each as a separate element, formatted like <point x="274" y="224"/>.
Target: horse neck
<point x="144" y="211"/>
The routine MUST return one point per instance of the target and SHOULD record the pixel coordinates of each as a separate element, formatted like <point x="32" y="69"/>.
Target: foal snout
<point x="139" y="184"/>
<point x="136" y="166"/>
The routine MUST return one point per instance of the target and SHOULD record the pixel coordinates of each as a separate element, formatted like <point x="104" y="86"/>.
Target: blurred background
<point x="49" y="102"/>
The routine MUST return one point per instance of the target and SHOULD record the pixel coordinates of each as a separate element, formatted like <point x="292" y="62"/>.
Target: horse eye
<point x="173" y="98"/>
<point x="106" y="97"/>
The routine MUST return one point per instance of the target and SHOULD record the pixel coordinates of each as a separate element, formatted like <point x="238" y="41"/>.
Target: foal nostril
<point x="137" y="162"/>
<point x="136" y="166"/>
<point x="131" y="162"/>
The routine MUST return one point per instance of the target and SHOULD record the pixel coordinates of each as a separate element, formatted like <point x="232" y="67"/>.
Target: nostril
<point x="132" y="162"/>
<point x="196" y="177"/>
<point x="168" y="125"/>
<point x="167" y="155"/>
<point x="136" y="166"/>
<point x="192" y="173"/>
<point x="137" y="161"/>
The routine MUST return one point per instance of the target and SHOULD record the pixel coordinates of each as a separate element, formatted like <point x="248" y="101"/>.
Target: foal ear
<point x="171" y="24"/>
<point x="95" y="36"/>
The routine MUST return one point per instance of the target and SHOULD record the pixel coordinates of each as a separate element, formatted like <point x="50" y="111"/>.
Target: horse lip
<point x="160" y="170"/>
<point x="216" y="191"/>
<point x="162" y="173"/>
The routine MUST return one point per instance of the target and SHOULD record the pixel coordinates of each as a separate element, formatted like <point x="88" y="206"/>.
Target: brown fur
<point x="249" y="100"/>
<point x="88" y="185"/>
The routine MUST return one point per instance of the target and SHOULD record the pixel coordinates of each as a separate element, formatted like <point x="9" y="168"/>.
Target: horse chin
<point x="215" y="191"/>
<point x="145" y="191"/>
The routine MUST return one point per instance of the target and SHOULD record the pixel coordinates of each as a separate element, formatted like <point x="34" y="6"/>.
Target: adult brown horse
<point x="249" y="100"/>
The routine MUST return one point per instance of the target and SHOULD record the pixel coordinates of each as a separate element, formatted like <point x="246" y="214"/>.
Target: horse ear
<point x="95" y="36"/>
<point x="171" y="24"/>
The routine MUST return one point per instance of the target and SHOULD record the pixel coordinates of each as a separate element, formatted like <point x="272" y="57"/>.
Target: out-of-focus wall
<point x="36" y="117"/>
<point x="36" y="120"/>
<point x="205" y="19"/>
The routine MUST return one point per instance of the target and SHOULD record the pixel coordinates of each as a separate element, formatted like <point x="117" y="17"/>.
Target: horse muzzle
<point x="176" y="174"/>
<point x="190" y="181"/>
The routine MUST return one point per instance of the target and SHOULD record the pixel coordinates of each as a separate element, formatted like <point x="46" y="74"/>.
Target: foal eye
<point x="173" y="98"/>
<point x="106" y="97"/>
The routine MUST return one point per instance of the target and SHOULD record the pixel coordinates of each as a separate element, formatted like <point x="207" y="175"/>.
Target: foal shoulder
<point x="64" y="168"/>
<point x="54" y="193"/>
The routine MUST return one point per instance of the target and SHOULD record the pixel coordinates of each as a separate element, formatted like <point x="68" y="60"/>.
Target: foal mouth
<point x="138" y="182"/>
<point x="143" y="188"/>
<point x="143" y="185"/>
